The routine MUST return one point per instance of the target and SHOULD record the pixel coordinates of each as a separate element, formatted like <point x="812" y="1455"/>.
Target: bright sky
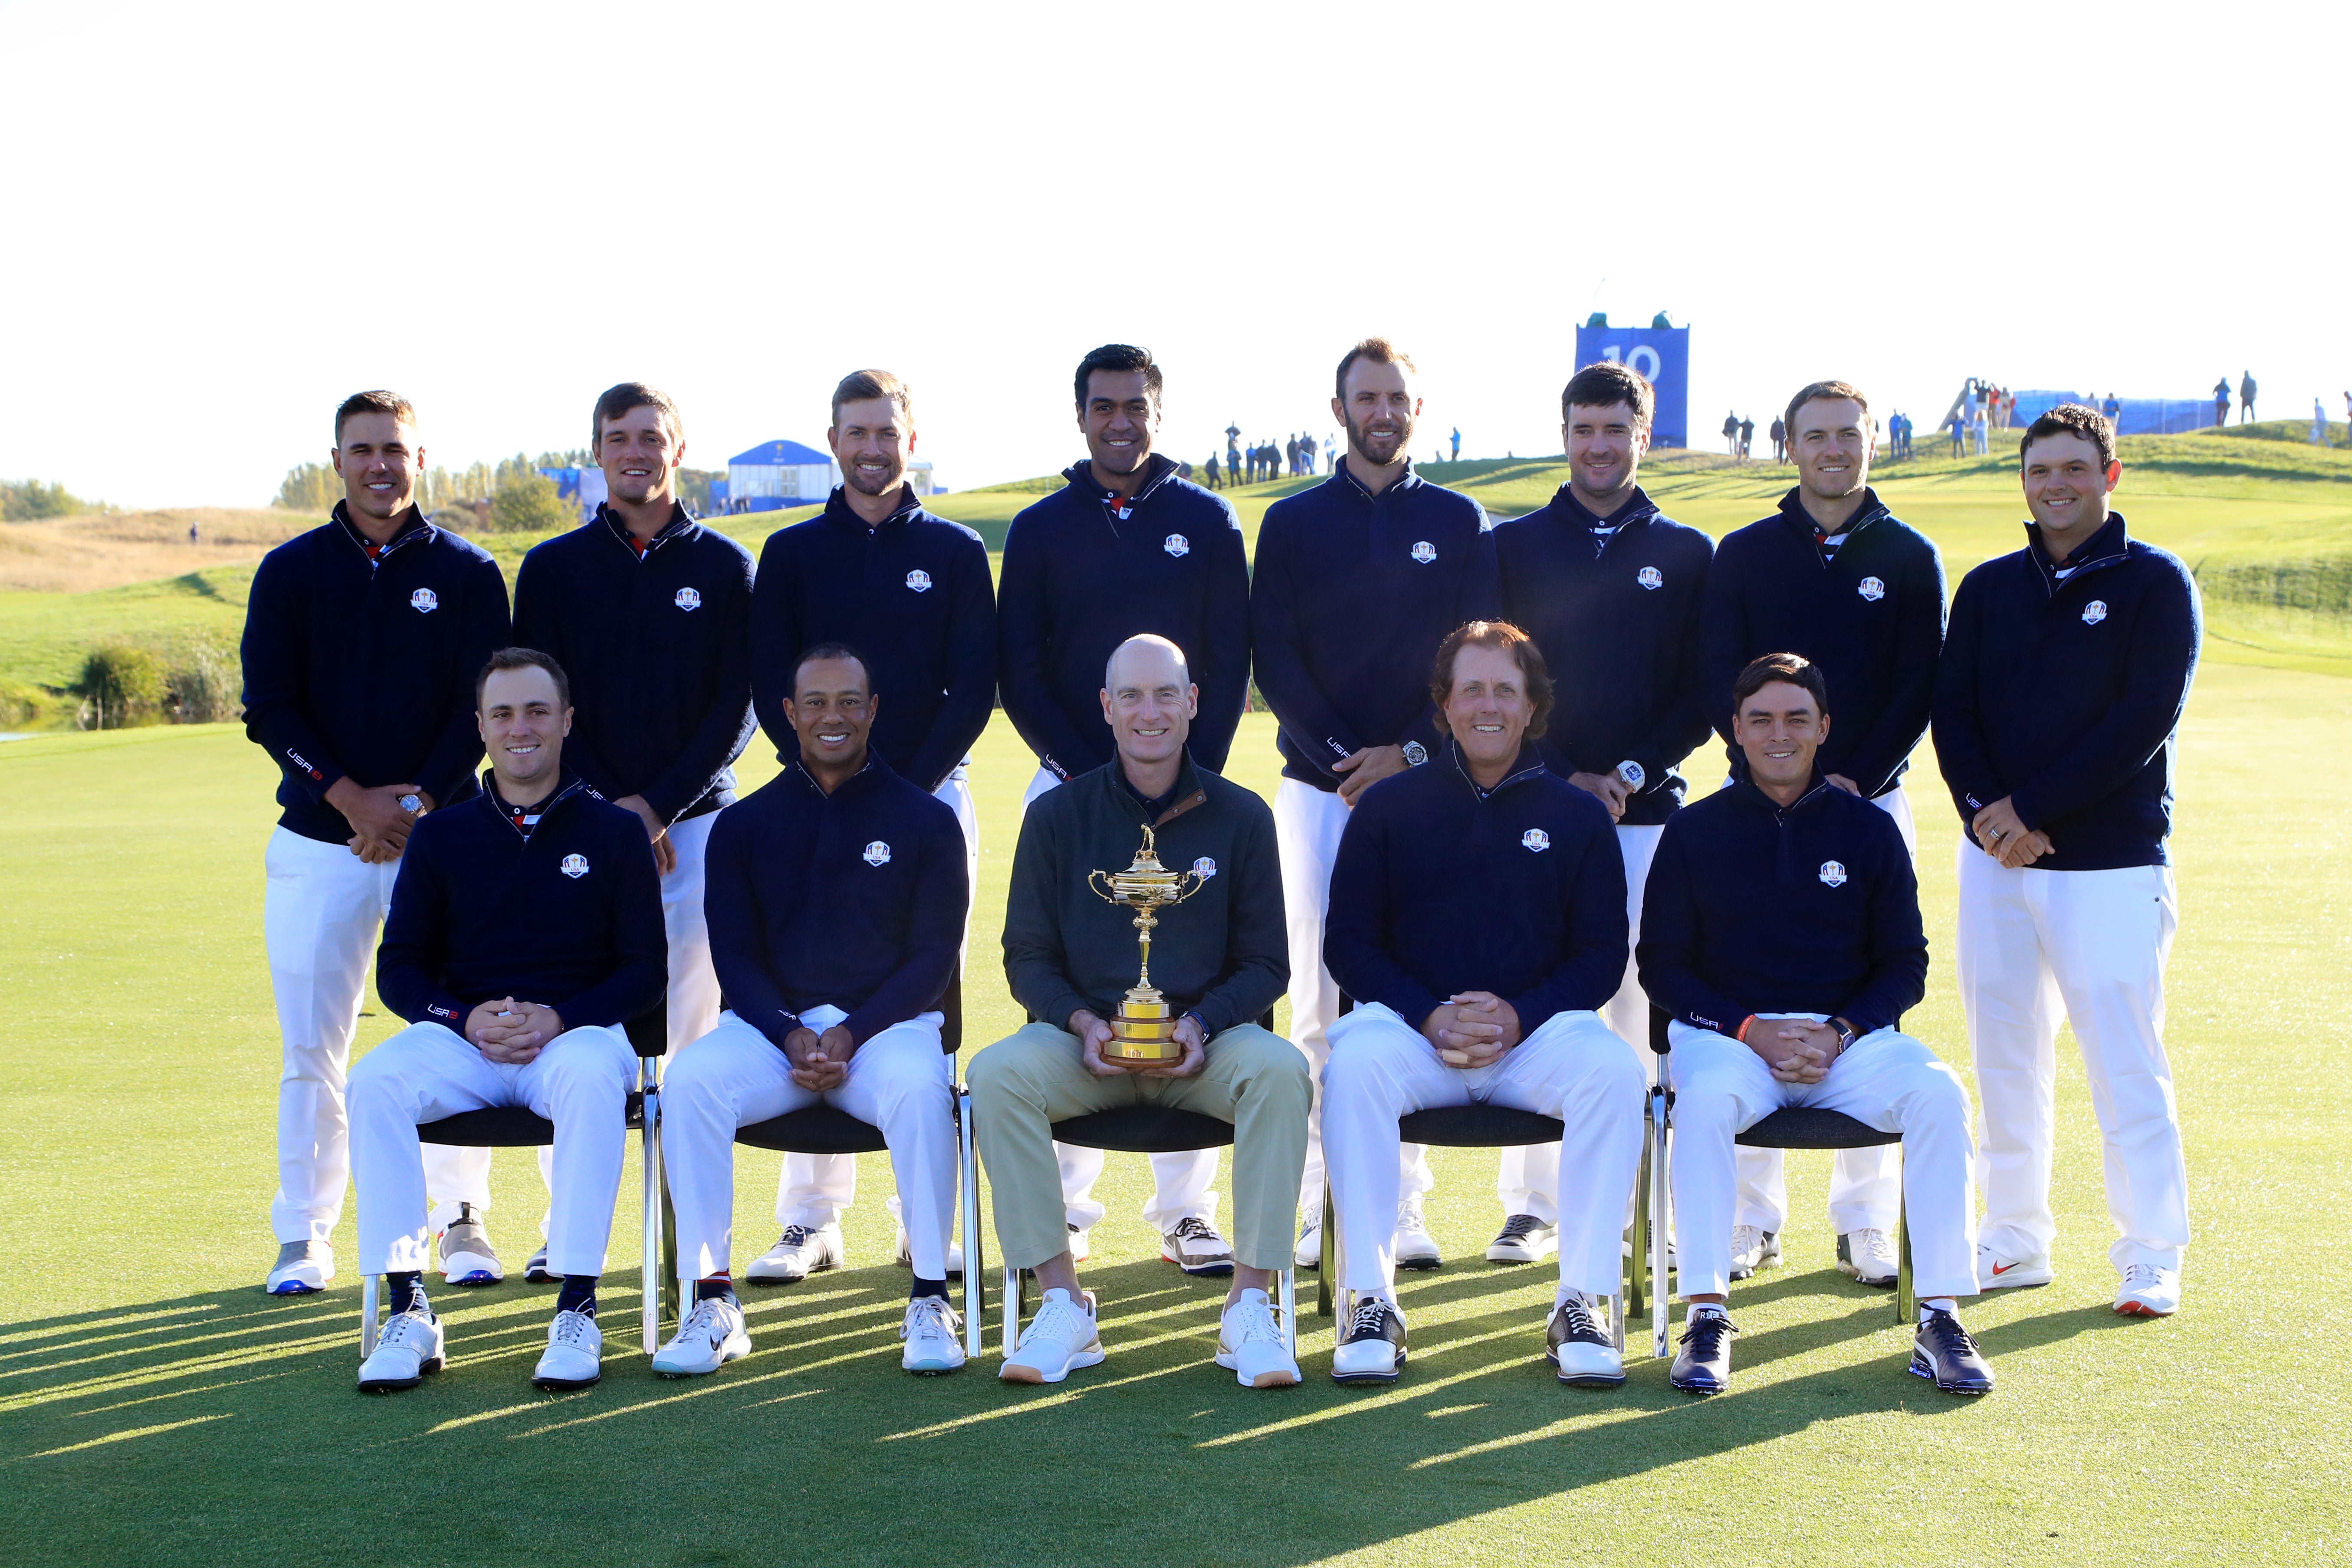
<point x="223" y="218"/>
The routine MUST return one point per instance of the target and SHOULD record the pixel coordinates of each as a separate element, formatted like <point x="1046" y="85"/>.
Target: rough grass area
<point x="155" y="1408"/>
<point x="108" y="550"/>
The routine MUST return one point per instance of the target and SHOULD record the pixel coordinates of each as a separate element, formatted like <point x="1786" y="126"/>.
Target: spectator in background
<point x="1780" y="439"/>
<point x="1731" y="434"/>
<point x="1958" y="428"/>
<point x="2222" y="403"/>
<point x="2246" y="398"/>
<point x="2114" y="410"/>
<point x="1983" y="444"/>
<point x="1214" y="482"/>
<point x="1330" y="446"/>
<point x="1458" y="445"/>
<point x="1233" y="453"/>
<point x="2318" y="438"/>
<point x="1747" y="437"/>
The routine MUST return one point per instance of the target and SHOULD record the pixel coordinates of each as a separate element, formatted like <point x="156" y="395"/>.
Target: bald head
<point x="1149" y="699"/>
<point x="1145" y="660"/>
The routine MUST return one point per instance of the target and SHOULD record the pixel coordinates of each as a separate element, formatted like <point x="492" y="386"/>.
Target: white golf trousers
<point x="580" y="1082"/>
<point x="1572" y="1066"/>
<point x="2089" y="946"/>
<point x="899" y="1081"/>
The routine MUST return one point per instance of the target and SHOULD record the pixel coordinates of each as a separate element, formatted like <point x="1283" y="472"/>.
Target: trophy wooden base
<point x="1143" y="1034"/>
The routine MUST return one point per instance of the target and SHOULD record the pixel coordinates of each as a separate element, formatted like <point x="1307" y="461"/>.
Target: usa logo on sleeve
<point x="573" y="865"/>
<point x="877" y="853"/>
<point x="1177" y="545"/>
<point x="1204" y="867"/>
<point x="2095" y="612"/>
<point x="1536" y="839"/>
<point x="919" y="581"/>
<point x="1870" y="589"/>
<point x="1425" y="553"/>
<point x="687" y="599"/>
<point x="1833" y="873"/>
<point x="1650" y="577"/>
<point x="424" y="601"/>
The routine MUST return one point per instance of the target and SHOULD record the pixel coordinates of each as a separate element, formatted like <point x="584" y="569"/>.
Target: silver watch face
<point x="411" y="804"/>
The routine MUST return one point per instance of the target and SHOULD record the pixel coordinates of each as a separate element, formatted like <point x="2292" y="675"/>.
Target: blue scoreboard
<point x="1659" y="355"/>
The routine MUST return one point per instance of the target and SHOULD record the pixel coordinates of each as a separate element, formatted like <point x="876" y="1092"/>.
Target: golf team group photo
<point x="1574" y="808"/>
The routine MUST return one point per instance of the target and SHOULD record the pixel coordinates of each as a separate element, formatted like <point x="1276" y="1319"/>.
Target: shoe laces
<point x="2142" y="1277"/>
<point x="1409" y="1217"/>
<point x="703" y="1320"/>
<point x="1061" y="1319"/>
<point x="1520" y="1226"/>
<point x="403" y="1326"/>
<point x="570" y="1329"/>
<point x="1248" y="1323"/>
<point x="1371" y="1317"/>
<point x="1747" y="1238"/>
<point x="1578" y="1316"/>
<point x="929" y="1315"/>
<point x="1873" y="1242"/>
<point x="1194" y="1229"/>
<point x="1942" y="1325"/>
<point x="1707" y="1326"/>
<point x="796" y="1236"/>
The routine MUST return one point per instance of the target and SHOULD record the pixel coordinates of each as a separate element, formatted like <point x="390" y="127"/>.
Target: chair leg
<point x="1661" y="1214"/>
<point x="1290" y="1310"/>
<point x="649" y="1157"/>
<point x="1637" y="1232"/>
<point x="1907" y="1298"/>
<point x="1012" y="1307"/>
<point x="1325" y="1291"/>
<point x="975" y="1289"/>
<point x="367" y="1316"/>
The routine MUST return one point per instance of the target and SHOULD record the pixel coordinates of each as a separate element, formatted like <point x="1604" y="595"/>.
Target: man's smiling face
<point x="1121" y="418"/>
<point x="1488" y="708"/>
<point x="871" y="441"/>
<point x="639" y="454"/>
<point x="379" y="462"/>
<point x="833" y="711"/>
<point x="524" y="722"/>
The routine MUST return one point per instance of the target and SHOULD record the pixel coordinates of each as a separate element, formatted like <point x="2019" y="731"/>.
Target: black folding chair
<point x="1790" y="1127"/>
<point x="514" y="1127"/>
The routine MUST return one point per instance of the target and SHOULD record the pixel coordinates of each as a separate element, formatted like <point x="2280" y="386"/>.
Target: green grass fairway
<point x="156" y="1408"/>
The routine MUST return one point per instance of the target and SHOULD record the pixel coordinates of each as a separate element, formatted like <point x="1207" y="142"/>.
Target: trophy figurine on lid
<point x="1142" y="1033"/>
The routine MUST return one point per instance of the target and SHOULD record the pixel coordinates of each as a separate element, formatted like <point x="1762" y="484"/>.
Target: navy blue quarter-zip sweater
<point x="853" y="899"/>
<point x="1751" y="907"/>
<point x="1872" y="617"/>
<point x="567" y="913"/>
<point x="658" y="644"/>
<point x="2067" y="696"/>
<point x="912" y="594"/>
<point x="1351" y="594"/>
<point x="1441" y="886"/>
<point x="360" y="662"/>
<point x="1222" y="953"/>
<point x="1079" y="579"/>
<point x="1614" y="606"/>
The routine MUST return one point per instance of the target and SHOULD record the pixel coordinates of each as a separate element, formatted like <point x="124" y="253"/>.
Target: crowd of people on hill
<point x="1292" y="457"/>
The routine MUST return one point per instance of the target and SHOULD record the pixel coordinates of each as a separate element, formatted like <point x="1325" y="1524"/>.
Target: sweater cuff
<point x="776" y="1024"/>
<point x="445" y="1010"/>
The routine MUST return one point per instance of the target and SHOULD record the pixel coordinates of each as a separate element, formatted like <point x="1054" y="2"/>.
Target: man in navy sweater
<point x="875" y="569"/>
<point x="1834" y="577"/>
<point x="1126" y="548"/>
<point x="525" y="932"/>
<point x="1781" y="930"/>
<point x="1356" y="582"/>
<point x="837" y="900"/>
<point x="649" y="613"/>
<point x="1609" y="588"/>
<point x="1478" y="918"/>
<point x="362" y="637"/>
<point x="2056" y="714"/>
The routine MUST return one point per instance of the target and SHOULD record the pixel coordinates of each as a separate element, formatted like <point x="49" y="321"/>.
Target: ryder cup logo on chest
<point x="573" y="865"/>
<point x="1650" y="577"/>
<point x="2095" y="612"/>
<point x="1870" y="589"/>
<point x="1833" y="873"/>
<point x="1176" y="544"/>
<point x="1204" y="867"/>
<point x="1425" y="553"/>
<point x="877" y="853"/>
<point x="687" y="599"/>
<point x="424" y="601"/>
<point x="1536" y="839"/>
<point x="919" y="581"/>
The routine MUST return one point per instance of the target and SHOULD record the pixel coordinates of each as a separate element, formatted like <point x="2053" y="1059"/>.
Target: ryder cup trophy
<point x="1141" y="1032"/>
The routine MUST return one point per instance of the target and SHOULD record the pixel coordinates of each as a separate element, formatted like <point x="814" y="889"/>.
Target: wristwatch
<point x="1846" y="1037"/>
<point x="1629" y="773"/>
<point x="412" y="804"/>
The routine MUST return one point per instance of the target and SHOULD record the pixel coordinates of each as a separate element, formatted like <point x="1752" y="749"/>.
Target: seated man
<point x="1478" y="919"/>
<point x="1780" y="927"/>
<point x="836" y="896"/>
<point x="1220" y="958"/>
<point x="526" y="927"/>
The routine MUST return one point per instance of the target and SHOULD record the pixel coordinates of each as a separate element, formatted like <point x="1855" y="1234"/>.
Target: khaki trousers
<point x="1025" y="1083"/>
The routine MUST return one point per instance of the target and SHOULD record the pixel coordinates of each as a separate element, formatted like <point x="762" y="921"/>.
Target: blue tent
<point x="779" y="455"/>
<point x="2134" y="416"/>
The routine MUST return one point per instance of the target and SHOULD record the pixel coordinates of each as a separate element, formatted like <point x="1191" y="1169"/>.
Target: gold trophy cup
<point x="1141" y="1032"/>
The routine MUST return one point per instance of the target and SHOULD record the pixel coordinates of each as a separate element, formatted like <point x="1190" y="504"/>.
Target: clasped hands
<point x="1472" y="1029"/>
<point x="1797" y="1050"/>
<point x="380" y="822"/>
<point x="1094" y="1032"/>
<point x="2004" y="836"/>
<point x="512" y="1033"/>
<point x="820" y="1061"/>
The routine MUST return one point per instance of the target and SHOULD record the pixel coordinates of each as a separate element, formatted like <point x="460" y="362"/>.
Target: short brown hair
<point x="376" y="402"/>
<point x="523" y="659"/>
<point x="1794" y="668"/>
<point x="1605" y="384"/>
<point x="861" y="385"/>
<point x="1814" y="389"/>
<point x="1118" y="356"/>
<point x="1511" y="640"/>
<point x="1380" y="351"/>
<point x="2073" y="419"/>
<point x="619" y="400"/>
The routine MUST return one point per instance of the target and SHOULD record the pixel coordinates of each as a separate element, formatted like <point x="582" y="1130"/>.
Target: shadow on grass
<point x="209" y="1425"/>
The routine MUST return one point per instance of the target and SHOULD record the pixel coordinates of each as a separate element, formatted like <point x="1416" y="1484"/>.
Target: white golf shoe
<point x="467" y="1256"/>
<point x="1524" y="1238"/>
<point x="1308" y="1252"/>
<point x="575" y="1356"/>
<point x="906" y="1256"/>
<point x="800" y="1251"/>
<point x="1752" y="1249"/>
<point x="934" y="1337"/>
<point x="1868" y="1255"/>
<point x="1577" y="1343"/>
<point x="1250" y="1345"/>
<point x="410" y="1346"/>
<point x="1995" y="1272"/>
<point x="303" y="1269"/>
<point x="2147" y="1291"/>
<point x="1371" y="1343"/>
<point x="712" y="1335"/>
<point x="1416" y="1248"/>
<point x="1059" y="1341"/>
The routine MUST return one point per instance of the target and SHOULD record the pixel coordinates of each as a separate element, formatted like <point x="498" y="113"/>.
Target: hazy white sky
<point x="223" y="218"/>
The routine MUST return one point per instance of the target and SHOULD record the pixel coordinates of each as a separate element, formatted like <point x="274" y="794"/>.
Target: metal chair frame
<point x="1791" y="1126"/>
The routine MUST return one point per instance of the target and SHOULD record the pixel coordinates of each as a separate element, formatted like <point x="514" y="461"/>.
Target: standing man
<point x="362" y="638"/>
<point x="1233" y="453"/>
<point x="2057" y="711"/>
<point x="525" y="933"/>
<point x="1125" y="548"/>
<point x="1457" y="439"/>
<point x="2246" y="398"/>
<point x="649" y="613"/>
<point x="1355" y="579"/>
<point x="1781" y="438"/>
<point x="1836" y="578"/>
<point x="1611" y="589"/>
<point x="2222" y="403"/>
<point x="877" y="571"/>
